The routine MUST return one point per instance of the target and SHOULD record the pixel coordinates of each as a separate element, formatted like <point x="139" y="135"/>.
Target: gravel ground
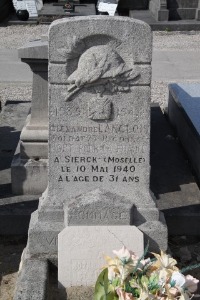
<point x="177" y="40"/>
<point x="15" y="36"/>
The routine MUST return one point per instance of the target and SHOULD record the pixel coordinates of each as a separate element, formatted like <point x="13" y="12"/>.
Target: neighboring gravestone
<point x="30" y="162"/>
<point x="159" y="10"/>
<point x="99" y="130"/>
<point x="184" y="114"/>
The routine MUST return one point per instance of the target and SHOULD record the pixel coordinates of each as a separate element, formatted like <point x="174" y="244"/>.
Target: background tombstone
<point x="30" y="162"/>
<point x="159" y="10"/>
<point x="99" y="125"/>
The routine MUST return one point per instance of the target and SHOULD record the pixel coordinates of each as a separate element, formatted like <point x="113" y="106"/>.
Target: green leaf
<point x="142" y="257"/>
<point x="192" y="267"/>
<point x="144" y="281"/>
<point x="103" y="289"/>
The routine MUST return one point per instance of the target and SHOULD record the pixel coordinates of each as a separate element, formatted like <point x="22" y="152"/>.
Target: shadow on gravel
<point x="10" y="253"/>
<point x="169" y="165"/>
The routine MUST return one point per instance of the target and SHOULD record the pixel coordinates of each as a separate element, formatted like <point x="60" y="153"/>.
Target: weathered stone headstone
<point x="99" y="130"/>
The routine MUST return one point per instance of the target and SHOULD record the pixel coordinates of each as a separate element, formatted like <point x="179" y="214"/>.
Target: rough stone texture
<point x="32" y="157"/>
<point x="183" y="112"/>
<point x="80" y="293"/>
<point x="29" y="285"/>
<point x="81" y="251"/>
<point x="99" y="207"/>
<point x="75" y="127"/>
<point x="159" y="9"/>
<point x="43" y="237"/>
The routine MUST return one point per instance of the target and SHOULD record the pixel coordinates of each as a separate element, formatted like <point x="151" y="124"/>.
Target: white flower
<point x="178" y="278"/>
<point x="125" y="255"/>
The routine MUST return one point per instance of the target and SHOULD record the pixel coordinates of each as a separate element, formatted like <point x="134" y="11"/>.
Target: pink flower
<point x="123" y="295"/>
<point x="174" y="291"/>
<point x="191" y="283"/>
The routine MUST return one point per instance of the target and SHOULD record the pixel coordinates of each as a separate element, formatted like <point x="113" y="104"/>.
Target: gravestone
<point x="99" y="130"/>
<point x="164" y="10"/>
<point x="159" y="9"/>
<point x="30" y="162"/>
<point x="183" y="113"/>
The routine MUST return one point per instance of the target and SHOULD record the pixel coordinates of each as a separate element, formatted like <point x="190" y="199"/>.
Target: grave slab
<point x="81" y="251"/>
<point x="183" y="112"/>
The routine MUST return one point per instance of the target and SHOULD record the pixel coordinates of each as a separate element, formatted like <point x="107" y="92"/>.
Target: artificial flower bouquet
<point x="128" y="277"/>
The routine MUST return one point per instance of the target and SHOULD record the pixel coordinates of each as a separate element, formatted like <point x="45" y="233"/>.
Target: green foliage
<point x="103" y="289"/>
<point x="133" y="290"/>
<point x="153" y="284"/>
<point x="141" y="258"/>
<point x="189" y="268"/>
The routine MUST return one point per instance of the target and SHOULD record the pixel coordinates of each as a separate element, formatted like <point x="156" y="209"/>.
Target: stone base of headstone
<point x="156" y="234"/>
<point x="81" y="251"/>
<point x="30" y="163"/>
<point x="28" y="176"/>
<point x="45" y="225"/>
<point x="33" y="280"/>
<point x="34" y="140"/>
<point x="159" y="10"/>
<point x="100" y="207"/>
